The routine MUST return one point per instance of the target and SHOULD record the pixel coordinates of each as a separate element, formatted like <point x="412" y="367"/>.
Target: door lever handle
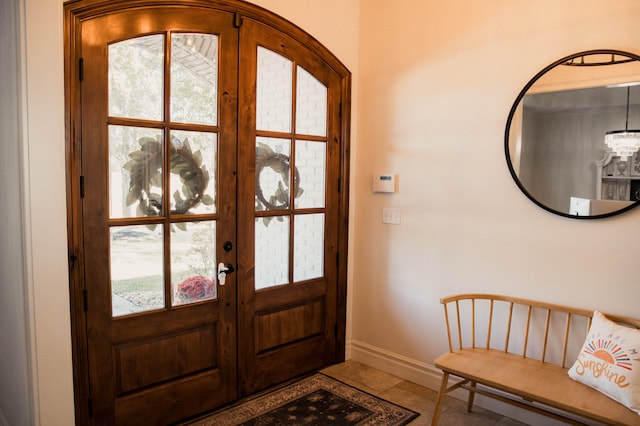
<point x="223" y="270"/>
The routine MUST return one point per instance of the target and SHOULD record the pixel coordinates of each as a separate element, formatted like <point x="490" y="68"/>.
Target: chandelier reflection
<point x="623" y="142"/>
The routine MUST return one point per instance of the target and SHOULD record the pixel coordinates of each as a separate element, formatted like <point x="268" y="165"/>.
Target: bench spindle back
<point x="564" y="327"/>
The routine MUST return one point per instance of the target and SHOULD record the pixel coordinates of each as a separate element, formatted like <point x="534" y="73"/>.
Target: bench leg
<point x="440" y="399"/>
<point x="472" y="395"/>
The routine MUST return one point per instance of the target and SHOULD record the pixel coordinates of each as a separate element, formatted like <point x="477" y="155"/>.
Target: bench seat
<point x="519" y="351"/>
<point x="533" y="380"/>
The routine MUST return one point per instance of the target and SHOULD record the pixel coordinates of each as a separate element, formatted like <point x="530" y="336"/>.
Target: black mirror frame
<point x="512" y="112"/>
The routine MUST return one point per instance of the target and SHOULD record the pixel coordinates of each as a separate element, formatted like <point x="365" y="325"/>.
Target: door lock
<point x="223" y="270"/>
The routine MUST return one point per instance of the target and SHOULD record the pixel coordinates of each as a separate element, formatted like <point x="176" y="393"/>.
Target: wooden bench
<point x="519" y="351"/>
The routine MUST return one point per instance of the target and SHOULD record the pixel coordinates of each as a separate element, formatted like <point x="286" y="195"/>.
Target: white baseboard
<point x="400" y="366"/>
<point x="430" y="377"/>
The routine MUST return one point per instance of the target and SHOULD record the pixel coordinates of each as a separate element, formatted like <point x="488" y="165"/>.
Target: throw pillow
<point x="610" y="361"/>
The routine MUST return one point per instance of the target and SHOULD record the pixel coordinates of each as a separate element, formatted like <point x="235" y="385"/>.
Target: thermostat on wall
<point x="384" y="183"/>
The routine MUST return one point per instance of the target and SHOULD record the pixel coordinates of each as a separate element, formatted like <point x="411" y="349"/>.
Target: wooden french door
<point x="207" y="207"/>
<point x="158" y="205"/>
<point x="288" y="240"/>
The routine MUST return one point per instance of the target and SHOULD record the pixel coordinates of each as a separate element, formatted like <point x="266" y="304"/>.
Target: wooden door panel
<point x="163" y="323"/>
<point x="291" y="295"/>
<point x="151" y="361"/>
<point x="166" y="404"/>
<point x="289" y="325"/>
<point x="287" y="362"/>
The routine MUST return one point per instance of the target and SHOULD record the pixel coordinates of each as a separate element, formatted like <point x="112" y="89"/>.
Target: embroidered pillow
<point x="610" y="361"/>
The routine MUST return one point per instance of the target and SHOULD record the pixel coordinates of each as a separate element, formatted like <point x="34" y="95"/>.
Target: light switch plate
<point x="391" y="215"/>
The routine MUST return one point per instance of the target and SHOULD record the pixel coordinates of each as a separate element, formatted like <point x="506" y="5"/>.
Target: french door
<point x="207" y="207"/>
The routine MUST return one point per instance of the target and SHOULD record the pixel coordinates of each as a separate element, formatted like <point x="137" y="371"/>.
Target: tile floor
<point x="415" y="397"/>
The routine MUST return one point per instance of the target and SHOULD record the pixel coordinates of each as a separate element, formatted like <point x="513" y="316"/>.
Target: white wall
<point x="433" y="84"/>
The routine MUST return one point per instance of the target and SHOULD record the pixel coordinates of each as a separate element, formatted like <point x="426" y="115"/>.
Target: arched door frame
<point x="75" y="12"/>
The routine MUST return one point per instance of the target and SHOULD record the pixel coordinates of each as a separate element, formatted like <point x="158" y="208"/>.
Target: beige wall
<point x="47" y="279"/>
<point x="433" y="84"/>
<point x="437" y="80"/>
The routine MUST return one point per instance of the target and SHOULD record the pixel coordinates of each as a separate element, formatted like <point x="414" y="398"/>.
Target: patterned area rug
<point x="316" y="400"/>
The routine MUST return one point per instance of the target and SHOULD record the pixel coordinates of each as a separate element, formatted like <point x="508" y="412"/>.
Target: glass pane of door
<point x="135" y="172"/>
<point x="136" y="78"/>
<point x="192" y="163"/>
<point x="137" y="272"/>
<point x="194" y="78"/>
<point x="274" y="92"/>
<point x="272" y="173"/>
<point x="311" y="166"/>
<point x="272" y="251"/>
<point x="193" y="262"/>
<point x="311" y="104"/>
<point x="308" y="254"/>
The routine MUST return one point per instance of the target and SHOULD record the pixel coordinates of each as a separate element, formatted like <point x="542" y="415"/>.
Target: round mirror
<point x="572" y="135"/>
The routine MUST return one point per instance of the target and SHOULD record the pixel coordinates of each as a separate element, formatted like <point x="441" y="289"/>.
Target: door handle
<point x="223" y="270"/>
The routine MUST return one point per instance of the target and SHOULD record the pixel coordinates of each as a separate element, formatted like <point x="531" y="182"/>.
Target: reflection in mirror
<point x="555" y="135"/>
